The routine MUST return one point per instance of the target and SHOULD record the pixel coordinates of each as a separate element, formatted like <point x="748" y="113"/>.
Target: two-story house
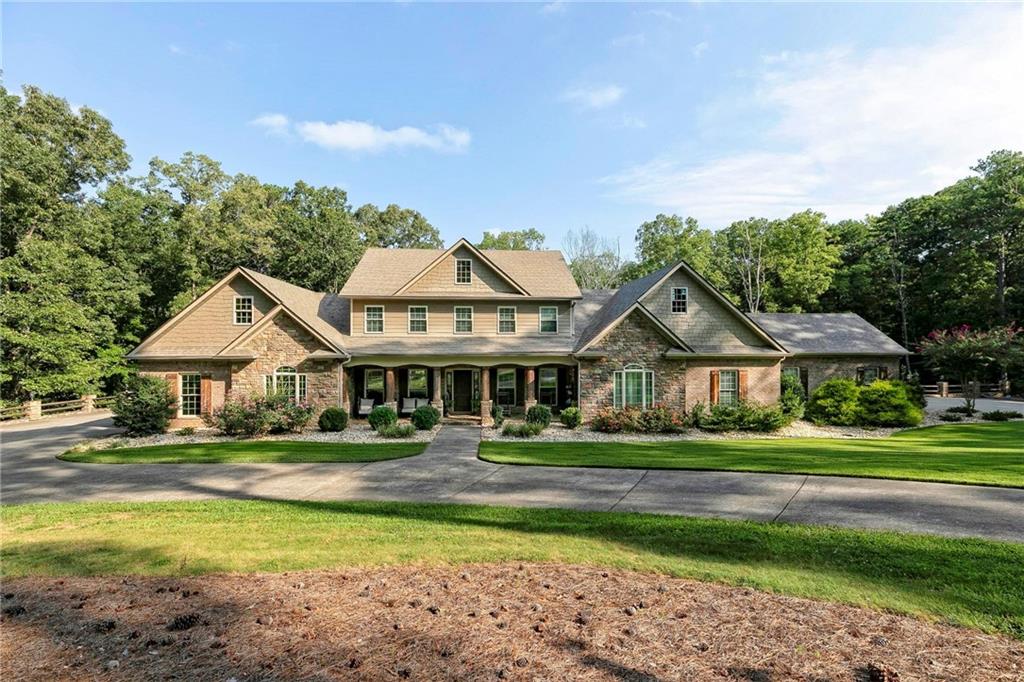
<point x="465" y="329"/>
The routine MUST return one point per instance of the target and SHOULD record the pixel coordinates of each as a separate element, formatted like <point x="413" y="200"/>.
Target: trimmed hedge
<point x="425" y="417"/>
<point x="834" y="402"/>
<point x="381" y="416"/>
<point x="333" y="419"/>
<point x="145" y="407"/>
<point x="887" y="403"/>
<point x="571" y="417"/>
<point x="539" y="414"/>
<point x="1001" y="415"/>
<point x="396" y="431"/>
<point x="522" y="430"/>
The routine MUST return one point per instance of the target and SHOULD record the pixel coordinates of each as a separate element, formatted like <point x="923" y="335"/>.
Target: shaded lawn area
<point x="970" y="582"/>
<point x="982" y="454"/>
<point x="256" y="451"/>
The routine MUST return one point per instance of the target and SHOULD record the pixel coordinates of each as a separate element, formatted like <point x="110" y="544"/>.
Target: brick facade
<point x="219" y="373"/>
<point x="635" y="341"/>
<point x="823" y="368"/>
<point x="763" y="379"/>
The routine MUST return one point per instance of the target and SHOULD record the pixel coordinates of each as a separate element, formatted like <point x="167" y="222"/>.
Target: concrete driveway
<point x="982" y="404"/>
<point x="450" y="472"/>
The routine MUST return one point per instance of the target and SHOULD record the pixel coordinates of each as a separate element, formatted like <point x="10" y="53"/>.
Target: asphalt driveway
<point x="450" y="472"/>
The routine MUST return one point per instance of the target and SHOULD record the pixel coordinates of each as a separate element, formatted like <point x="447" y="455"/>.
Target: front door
<point x="462" y="390"/>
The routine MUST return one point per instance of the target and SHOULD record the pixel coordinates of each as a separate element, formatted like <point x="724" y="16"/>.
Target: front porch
<point x="461" y="389"/>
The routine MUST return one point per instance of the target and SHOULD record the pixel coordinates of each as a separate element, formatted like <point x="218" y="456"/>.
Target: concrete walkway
<point x="448" y="471"/>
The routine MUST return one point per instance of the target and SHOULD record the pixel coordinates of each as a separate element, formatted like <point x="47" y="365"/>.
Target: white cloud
<point x="361" y="136"/>
<point x="274" y="124"/>
<point x="852" y="130"/>
<point x="176" y="49"/>
<point x="556" y="7"/>
<point x="700" y="48"/>
<point x="629" y="40"/>
<point x="595" y="97"/>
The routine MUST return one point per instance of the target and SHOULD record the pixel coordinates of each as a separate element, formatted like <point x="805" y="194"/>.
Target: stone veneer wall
<point x="219" y="373"/>
<point x="823" y="368"/>
<point x="285" y="343"/>
<point x="635" y="340"/>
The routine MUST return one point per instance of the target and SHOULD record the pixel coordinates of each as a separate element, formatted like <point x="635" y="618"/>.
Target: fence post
<point x="34" y="409"/>
<point x="89" y="403"/>
<point x="943" y="389"/>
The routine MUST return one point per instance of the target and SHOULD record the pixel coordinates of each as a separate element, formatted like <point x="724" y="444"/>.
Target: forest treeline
<point x="93" y="258"/>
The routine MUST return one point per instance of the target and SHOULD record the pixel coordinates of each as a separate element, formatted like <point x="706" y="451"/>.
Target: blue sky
<point x="553" y="116"/>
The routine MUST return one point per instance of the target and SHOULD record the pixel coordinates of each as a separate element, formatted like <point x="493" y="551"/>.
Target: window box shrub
<point x="333" y="419"/>
<point x="382" y="415"/>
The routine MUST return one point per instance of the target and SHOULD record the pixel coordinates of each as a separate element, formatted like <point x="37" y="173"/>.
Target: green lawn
<point x="984" y="454"/>
<point x="970" y="582"/>
<point x="257" y="451"/>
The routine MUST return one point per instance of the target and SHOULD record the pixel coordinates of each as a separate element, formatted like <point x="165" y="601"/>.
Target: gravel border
<point x="557" y="433"/>
<point x="355" y="433"/>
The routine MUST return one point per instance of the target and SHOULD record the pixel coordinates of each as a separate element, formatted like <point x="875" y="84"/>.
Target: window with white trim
<point x="373" y="319"/>
<point x="286" y="381"/>
<point x="243" y="309"/>
<point x="417" y="319"/>
<point x="463" y="319"/>
<point x="373" y="384"/>
<point x="507" y="387"/>
<point x="633" y="386"/>
<point x="728" y="386"/>
<point x="506" y="319"/>
<point x="548" y="320"/>
<point x="191" y="395"/>
<point x="679" y="299"/>
<point x="416" y="382"/>
<point x="463" y="271"/>
<point x="547" y="386"/>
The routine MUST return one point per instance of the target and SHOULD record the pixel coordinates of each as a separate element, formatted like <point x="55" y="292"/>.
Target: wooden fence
<point x="36" y="409"/>
<point x="945" y="389"/>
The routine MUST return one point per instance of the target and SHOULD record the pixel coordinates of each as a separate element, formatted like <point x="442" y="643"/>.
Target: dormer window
<point x="243" y="309"/>
<point x="679" y="296"/>
<point x="463" y="271"/>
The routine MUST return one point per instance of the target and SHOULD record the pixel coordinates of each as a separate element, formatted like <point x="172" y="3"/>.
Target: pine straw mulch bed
<point x="507" y="621"/>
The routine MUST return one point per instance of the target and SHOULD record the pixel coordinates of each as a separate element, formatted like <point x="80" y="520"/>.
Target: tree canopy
<point x="512" y="239"/>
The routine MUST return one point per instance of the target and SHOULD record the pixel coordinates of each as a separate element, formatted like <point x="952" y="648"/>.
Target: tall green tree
<point x="802" y="260"/>
<point x="518" y="240"/>
<point x="397" y="227"/>
<point x="669" y="239"/>
<point x="593" y="260"/>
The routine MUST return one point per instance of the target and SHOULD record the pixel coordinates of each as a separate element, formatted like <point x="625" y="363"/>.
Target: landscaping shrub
<point x="744" y="416"/>
<point x="658" y="419"/>
<point x="382" y="415"/>
<point x="834" y="402"/>
<point x="145" y="407"/>
<point x="962" y="409"/>
<point x="283" y="414"/>
<point x="260" y="415"/>
<point x="522" y="430"/>
<point x="915" y="391"/>
<point x="571" y="417"/>
<point x="610" y="420"/>
<point x="1000" y="415"/>
<point x="425" y="417"/>
<point x="333" y="419"/>
<point x="396" y="431"/>
<point x="887" y="403"/>
<point x="951" y="417"/>
<point x="792" y="398"/>
<point x="186" y="431"/>
<point x="498" y="415"/>
<point x="539" y="414"/>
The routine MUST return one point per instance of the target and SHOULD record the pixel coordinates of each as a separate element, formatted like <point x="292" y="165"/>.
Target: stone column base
<point x="527" y="404"/>
<point x="438" y="405"/>
<point x="393" y="406"/>
<point x="485" y="413"/>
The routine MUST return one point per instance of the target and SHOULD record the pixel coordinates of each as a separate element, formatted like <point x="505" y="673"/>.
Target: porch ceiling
<point x="459" y="360"/>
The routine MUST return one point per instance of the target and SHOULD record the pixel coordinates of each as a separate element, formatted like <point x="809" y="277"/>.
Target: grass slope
<point x="983" y="454"/>
<point x="258" y="451"/>
<point x="970" y="582"/>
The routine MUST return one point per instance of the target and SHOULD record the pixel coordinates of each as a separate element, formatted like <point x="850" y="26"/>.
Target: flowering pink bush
<point x="657" y="419"/>
<point x="259" y="415"/>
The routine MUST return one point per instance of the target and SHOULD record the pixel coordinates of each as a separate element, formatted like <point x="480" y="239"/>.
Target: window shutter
<point x="803" y="379"/>
<point x="743" y="383"/>
<point x="617" y="381"/>
<point x="205" y="397"/>
<point x="713" y="399"/>
<point x="172" y="382"/>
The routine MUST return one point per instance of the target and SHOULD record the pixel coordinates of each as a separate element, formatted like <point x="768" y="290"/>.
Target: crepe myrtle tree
<point x="968" y="354"/>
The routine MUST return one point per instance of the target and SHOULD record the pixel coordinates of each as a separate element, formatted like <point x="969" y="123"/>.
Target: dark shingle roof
<point x="827" y="333"/>
<point x="628" y="294"/>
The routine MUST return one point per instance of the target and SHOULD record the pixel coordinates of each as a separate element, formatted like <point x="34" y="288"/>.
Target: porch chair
<point x="365" y="406"/>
